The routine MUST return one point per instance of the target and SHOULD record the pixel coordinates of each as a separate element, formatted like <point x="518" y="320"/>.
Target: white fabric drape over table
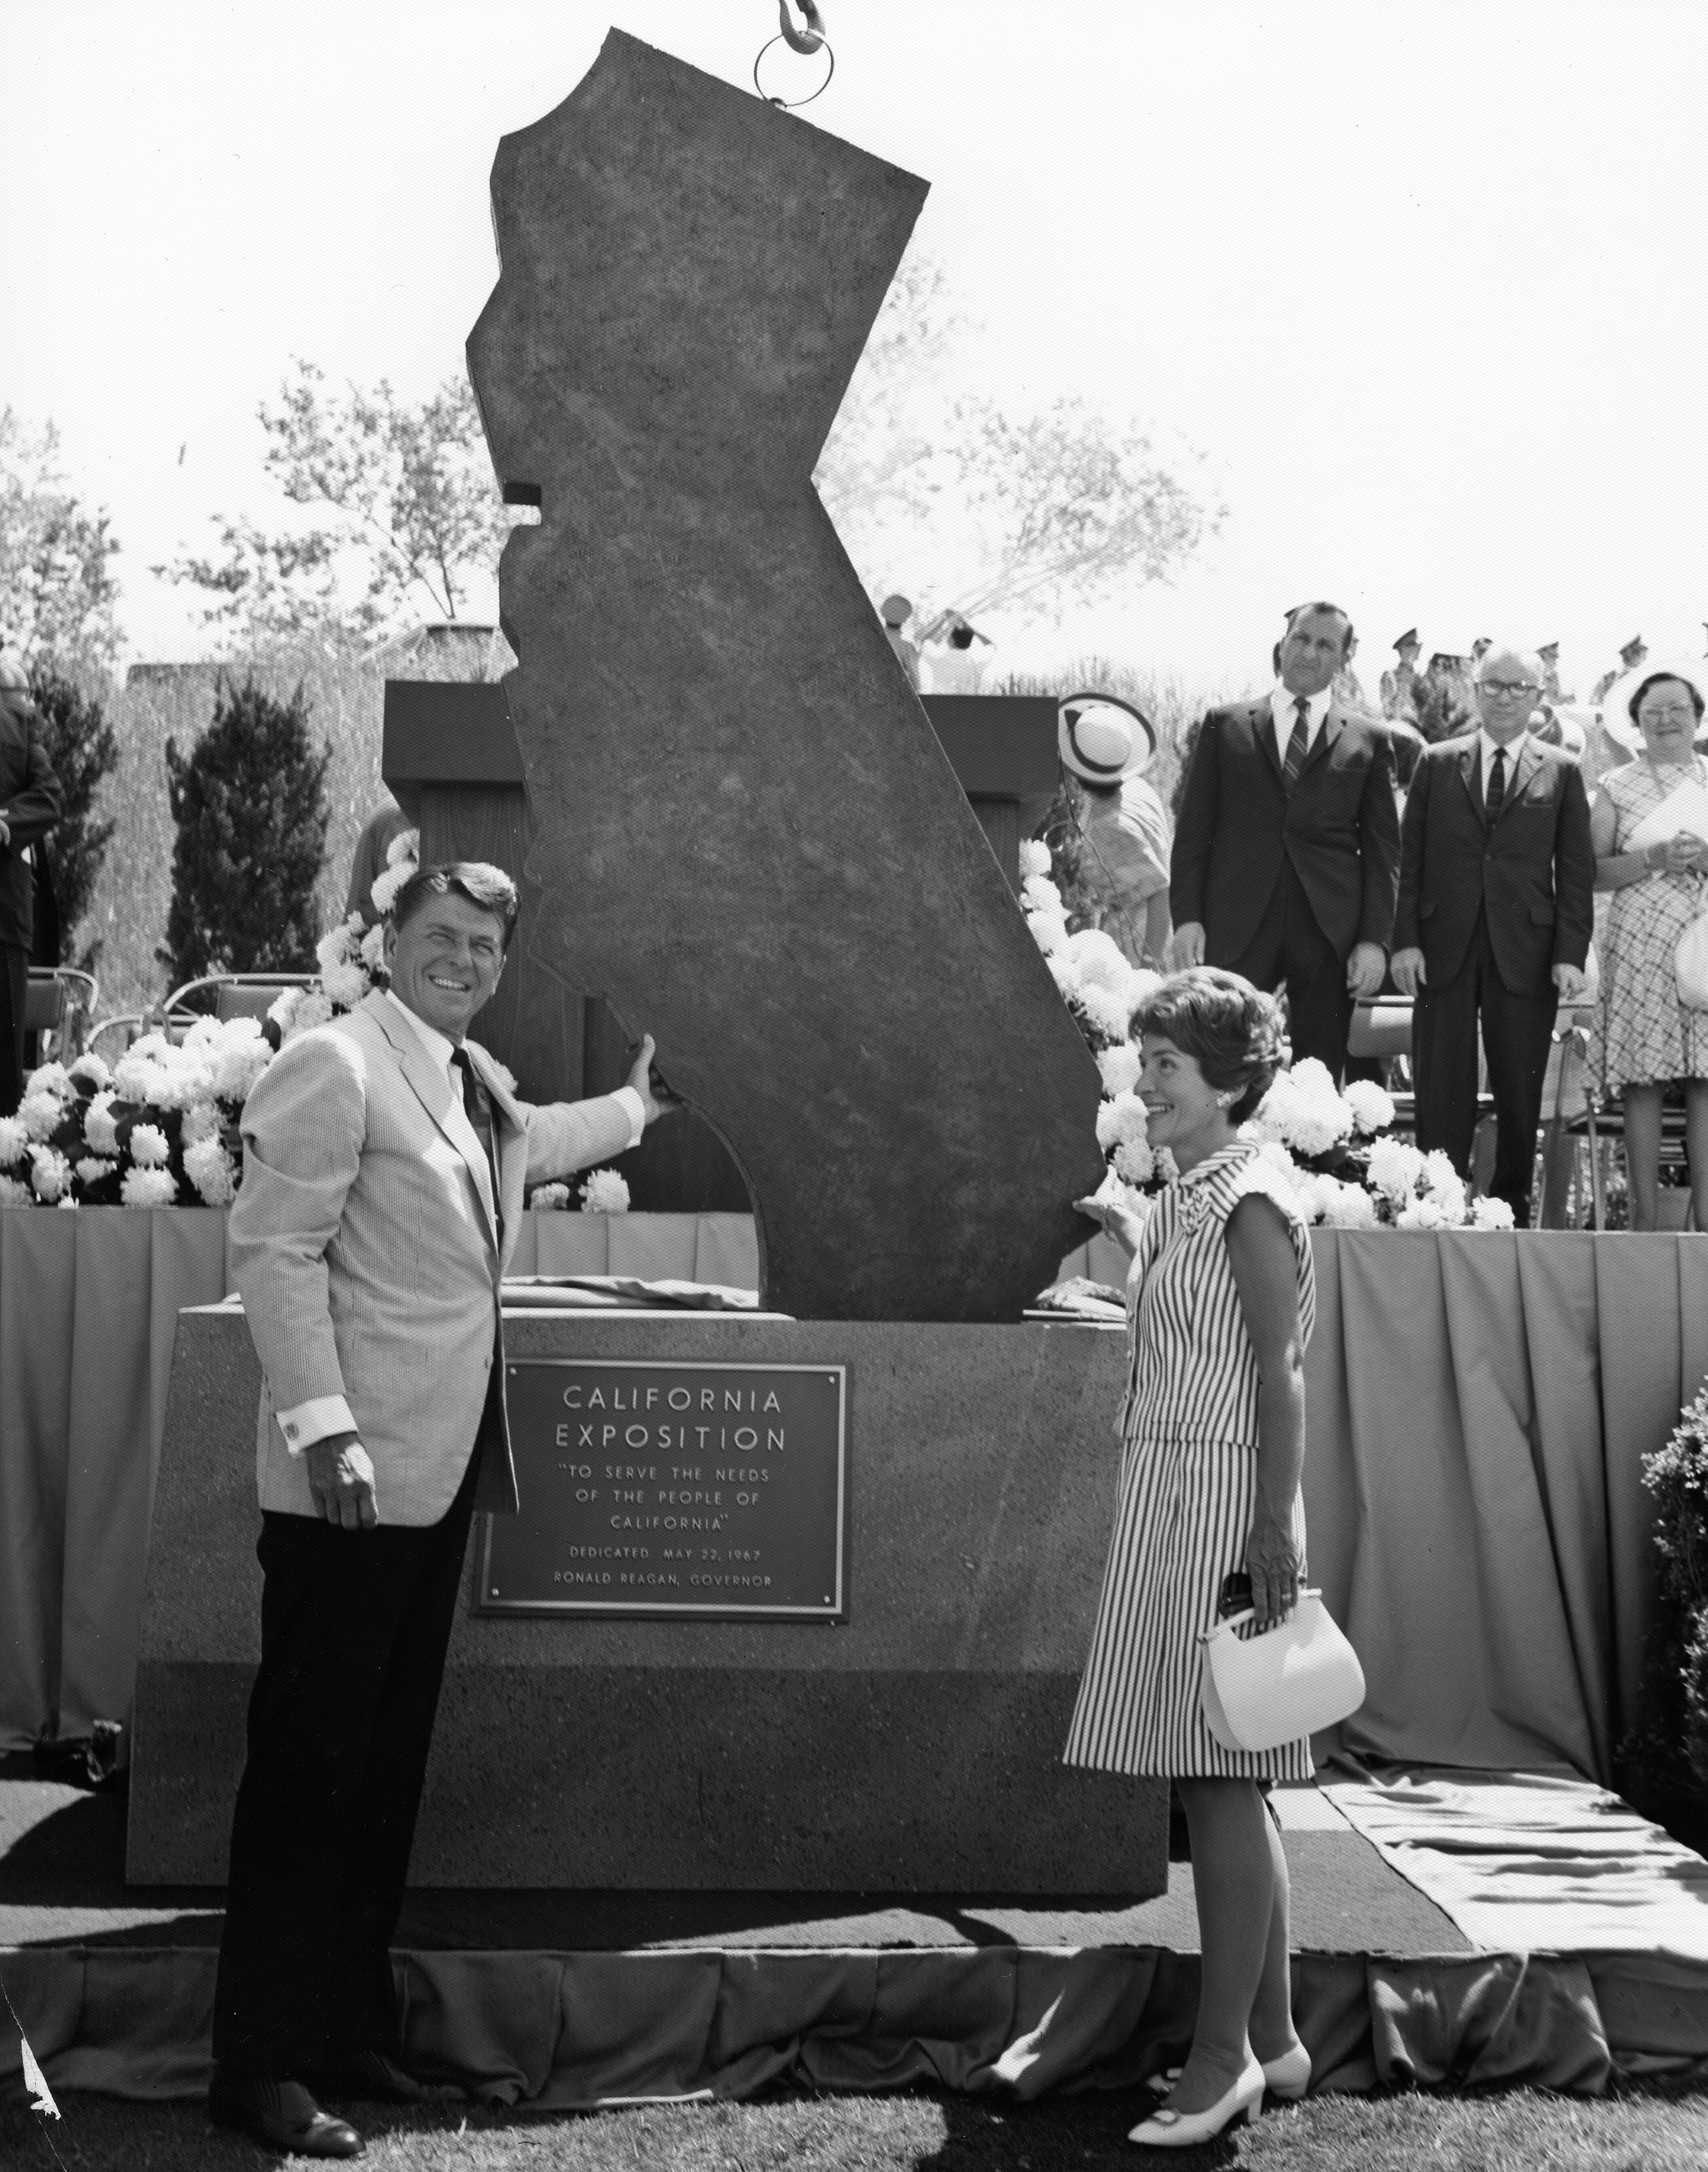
<point x="1479" y="1406"/>
<point x="88" y="1307"/>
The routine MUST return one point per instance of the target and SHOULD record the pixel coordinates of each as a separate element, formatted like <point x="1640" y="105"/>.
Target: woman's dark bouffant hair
<point x="1230" y="1029"/>
<point x="1655" y="679"/>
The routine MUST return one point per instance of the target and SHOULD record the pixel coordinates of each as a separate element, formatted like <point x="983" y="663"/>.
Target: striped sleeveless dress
<point x="1187" y="1487"/>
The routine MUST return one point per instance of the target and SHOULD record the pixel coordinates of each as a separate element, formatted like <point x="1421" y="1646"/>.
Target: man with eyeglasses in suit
<point x="1492" y="930"/>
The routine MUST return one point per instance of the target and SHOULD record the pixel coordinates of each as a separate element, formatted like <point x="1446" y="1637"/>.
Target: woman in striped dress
<point x="1220" y="1300"/>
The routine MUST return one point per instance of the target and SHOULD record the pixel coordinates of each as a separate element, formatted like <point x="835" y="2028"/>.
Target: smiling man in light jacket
<point x="385" y="1164"/>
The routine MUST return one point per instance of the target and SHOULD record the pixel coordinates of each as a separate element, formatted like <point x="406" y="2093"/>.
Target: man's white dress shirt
<point x="1285" y="715"/>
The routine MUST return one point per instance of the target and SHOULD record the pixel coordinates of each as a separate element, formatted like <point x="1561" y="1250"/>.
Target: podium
<point x="451" y="762"/>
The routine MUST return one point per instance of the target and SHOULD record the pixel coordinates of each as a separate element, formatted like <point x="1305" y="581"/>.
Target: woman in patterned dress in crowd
<point x="1221" y="1300"/>
<point x="1648" y="1037"/>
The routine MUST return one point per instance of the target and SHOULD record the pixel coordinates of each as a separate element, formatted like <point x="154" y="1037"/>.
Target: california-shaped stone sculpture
<point x="748" y="838"/>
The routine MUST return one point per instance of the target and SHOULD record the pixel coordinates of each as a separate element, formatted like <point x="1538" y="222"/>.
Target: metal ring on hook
<point x="803" y="41"/>
<point x="788" y="105"/>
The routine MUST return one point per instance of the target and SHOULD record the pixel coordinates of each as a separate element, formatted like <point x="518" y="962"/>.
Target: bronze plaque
<point x="674" y="1489"/>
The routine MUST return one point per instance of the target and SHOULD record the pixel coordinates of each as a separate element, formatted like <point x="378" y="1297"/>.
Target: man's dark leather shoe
<point x="280" y="2114"/>
<point x="376" y="2077"/>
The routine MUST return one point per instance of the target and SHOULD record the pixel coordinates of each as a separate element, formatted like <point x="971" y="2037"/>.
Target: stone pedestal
<point x="914" y="1747"/>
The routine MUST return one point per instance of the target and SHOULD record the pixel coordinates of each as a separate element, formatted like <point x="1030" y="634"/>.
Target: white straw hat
<point x="1103" y="738"/>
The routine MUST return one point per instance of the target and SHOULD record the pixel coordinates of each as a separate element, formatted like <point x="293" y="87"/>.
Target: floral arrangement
<point x="159" y="1129"/>
<point x="604" y="1192"/>
<point x="1668" y="1747"/>
<point x="1332" y="1146"/>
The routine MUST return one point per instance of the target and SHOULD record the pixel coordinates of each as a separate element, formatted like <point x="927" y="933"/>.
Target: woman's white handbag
<point x="1690" y="964"/>
<point x="1294" y="1679"/>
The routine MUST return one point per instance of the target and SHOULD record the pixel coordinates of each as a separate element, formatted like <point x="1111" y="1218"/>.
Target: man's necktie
<point x="480" y="1114"/>
<point x="1299" y="745"/>
<point x="1495" y="797"/>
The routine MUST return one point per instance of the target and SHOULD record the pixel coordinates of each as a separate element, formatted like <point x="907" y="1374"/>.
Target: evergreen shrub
<point x="249" y="801"/>
<point x="84" y="751"/>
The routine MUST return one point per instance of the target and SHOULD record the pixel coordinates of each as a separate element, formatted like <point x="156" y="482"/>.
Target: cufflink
<point x="290" y="1432"/>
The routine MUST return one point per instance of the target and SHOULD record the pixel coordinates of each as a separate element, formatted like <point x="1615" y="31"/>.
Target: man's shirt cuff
<point x="635" y="1108"/>
<point x="314" y="1421"/>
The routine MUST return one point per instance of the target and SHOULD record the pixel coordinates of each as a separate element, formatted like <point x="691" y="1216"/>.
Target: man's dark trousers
<point x="1289" y="945"/>
<point x="354" y="1629"/>
<point x="14" y="992"/>
<point x="1516" y="1033"/>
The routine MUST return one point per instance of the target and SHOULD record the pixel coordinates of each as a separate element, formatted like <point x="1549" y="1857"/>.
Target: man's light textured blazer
<point x="367" y="1259"/>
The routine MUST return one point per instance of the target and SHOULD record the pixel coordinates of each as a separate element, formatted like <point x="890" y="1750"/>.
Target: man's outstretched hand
<point x="341" y="1478"/>
<point x="641" y="1078"/>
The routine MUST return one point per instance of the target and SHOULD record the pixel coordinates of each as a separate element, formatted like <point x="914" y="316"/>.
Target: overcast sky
<point x="1424" y="282"/>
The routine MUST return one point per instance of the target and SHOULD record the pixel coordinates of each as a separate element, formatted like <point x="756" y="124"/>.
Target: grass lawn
<point x="1648" y="2130"/>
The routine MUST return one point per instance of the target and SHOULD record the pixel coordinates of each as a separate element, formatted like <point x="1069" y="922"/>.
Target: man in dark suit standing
<point x="30" y="803"/>
<point x="1495" y="907"/>
<point x="1286" y="854"/>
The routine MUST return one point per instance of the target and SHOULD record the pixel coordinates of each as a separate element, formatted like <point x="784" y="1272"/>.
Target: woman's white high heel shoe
<point x="1287" y="2078"/>
<point x="1186" y="2130"/>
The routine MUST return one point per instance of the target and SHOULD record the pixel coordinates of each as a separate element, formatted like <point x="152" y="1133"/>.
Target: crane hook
<point x="803" y="41"/>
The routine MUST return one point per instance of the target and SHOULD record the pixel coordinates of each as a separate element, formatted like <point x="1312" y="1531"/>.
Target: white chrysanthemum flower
<point x="373" y="948"/>
<point x="49" y="1078"/>
<point x="1141" y="984"/>
<point x="148" y="1187"/>
<point x="92" y="1069"/>
<point x="1118" y="1067"/>
<point x="131" y="1076"/>
<point x="175" y="1085"/>
<point x="1048" y="932"/>
<point x="1106" y="1012"/>
<point x="1395" y="1166"/>
<point x="1371" y="1105"/>
<point x="204" y="1031"/>
<point x="1039" y="894"/>
<point x="333" y="950"/>
<point x="99" y="1132"/>
<point x="94" y="1168"/>
<point x="1034" y="857"/>
<point x="1343" y="1206"/>
<point x="1134" y="1161"/>
<point x="1275" y="1152"/>
<point x="405" y="845"/>
<point x="213" y="1171"/>
<point x="1167" y="1166"/>
<point x="1064" y="971"/>
<point x="14" y="1142"/>
<point x="50" y="1175"/>
<point x="311" y="1010"/>
<point x="150" y="1147"/>
<point x="41" y="1114"/>
<point x="604" y="1192"/>
<point x="282" y="1010"/>
<point x="1122" y="1118"/>
<point x="549" y="1198"/>
<point x="1313" y="1078"/>
<point x="1491" y="1214"/>
<point x="202" y="1120"/>
<point x="387" y="885"/>
<point x="1443" y="1184"/>
<point x="1102" y="962"/>
<point x="242" y="1053"/>
<point x="1422" y="1214"/>
<point x="15" y="1194"/>
<point x="344" y="984"/>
